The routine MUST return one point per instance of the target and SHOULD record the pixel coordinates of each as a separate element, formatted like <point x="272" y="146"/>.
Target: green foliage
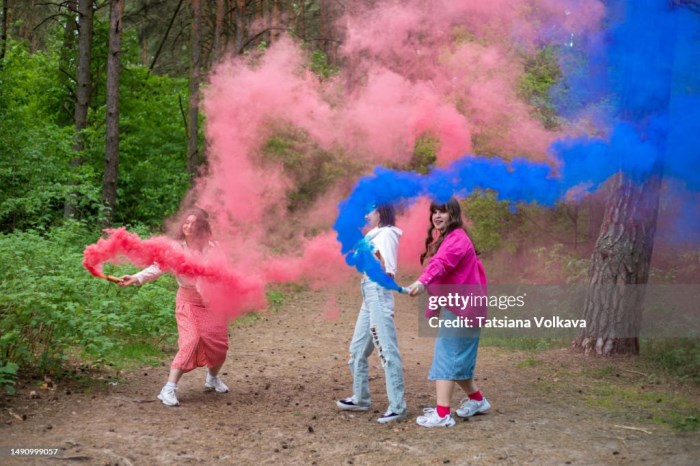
<point x="153" y="174"/>
<point x="50" y="306"/>
<point x="424" y="154"/>
<point x="8" y="377"/>
<point x="557" y="261"/>
<point x="312" y="169"/>
<point x="321" y="66"/>
<point x="524" y="343"/>
<point x="34" y="151"/>
<point x="491" y="219"/>
<point x="541" y="73"/>
<point x="36" y="139"/>
<point x="680" y="357"/>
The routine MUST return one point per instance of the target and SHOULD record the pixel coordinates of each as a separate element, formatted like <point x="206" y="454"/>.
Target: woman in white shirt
<point x="375" y="327"/>
<point x="202" y="335"/>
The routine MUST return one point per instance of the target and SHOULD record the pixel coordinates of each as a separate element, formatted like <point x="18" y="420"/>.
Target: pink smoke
<point x="446" y="68"/>
<point x="227" y="290"/>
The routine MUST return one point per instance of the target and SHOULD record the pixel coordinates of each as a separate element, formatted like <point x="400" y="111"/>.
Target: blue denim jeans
<point x="375" y="328"/>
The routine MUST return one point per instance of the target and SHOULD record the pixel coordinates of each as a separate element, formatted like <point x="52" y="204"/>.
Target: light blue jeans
<point x="375" y="328"/>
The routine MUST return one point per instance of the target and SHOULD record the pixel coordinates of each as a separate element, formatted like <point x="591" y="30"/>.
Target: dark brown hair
<point x="201" y="228"/>
<point x="432" y="244"/>
<point x="387" y="215"/>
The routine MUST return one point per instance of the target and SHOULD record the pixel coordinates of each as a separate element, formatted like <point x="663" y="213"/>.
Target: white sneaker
<point x="430" y="418"/>
<point x="167" y="396"/>
<point x="348" y="405"/>
<point x="215" y="383"/>
<point x="391" y="416"/>
<point x="471" y="407"/>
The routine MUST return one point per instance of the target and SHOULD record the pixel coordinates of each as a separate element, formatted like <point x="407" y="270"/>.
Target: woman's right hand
<point x="415" y="288"/>
<point x="127" y="280"/>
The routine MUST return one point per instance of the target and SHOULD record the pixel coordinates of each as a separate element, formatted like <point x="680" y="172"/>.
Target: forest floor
<point x="287" y="368"/>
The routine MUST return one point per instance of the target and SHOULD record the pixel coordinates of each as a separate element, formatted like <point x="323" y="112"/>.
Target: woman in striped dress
<point x="202" y="335"/>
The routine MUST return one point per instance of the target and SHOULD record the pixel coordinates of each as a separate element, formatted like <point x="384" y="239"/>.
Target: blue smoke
<point x="642" y="74"/>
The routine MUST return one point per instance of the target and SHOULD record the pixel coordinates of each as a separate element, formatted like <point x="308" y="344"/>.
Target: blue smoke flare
<point x="642" y="75"/>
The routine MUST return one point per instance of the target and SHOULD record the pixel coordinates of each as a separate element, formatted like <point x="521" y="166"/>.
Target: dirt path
<point x="287" y="370"/>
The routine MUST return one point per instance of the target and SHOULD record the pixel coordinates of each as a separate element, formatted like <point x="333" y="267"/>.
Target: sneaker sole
<point x="481" y="411"/>
<point x="449" y="424"/>
<point x="392" y="419"/>
<point x="166" y="403"/>
<point x="207" y="388"/>
<point x="351" y="408"/>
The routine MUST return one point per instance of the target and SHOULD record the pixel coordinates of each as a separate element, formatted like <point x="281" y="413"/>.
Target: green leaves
<point x="8" y="376"/>
<point x="51" y="307"/>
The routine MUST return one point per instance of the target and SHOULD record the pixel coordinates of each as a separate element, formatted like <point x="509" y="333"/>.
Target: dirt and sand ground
<point x="287" y="369"/>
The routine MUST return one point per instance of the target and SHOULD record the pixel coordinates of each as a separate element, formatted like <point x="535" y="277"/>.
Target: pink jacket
<point x="454" y="263"/>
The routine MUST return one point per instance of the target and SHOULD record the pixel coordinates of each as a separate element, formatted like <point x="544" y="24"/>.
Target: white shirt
<point x="385" y="240"/>
<point x="153" y="271"/>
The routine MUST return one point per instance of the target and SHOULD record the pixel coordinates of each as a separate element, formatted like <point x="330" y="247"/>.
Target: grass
<point x="657" y="388"/>
<point x="138" y="354"/>
<point x="529" y="362"/>
<point x="678" y="357"/>
<point x="640" y="403"/>
<point x="524" y="343"/>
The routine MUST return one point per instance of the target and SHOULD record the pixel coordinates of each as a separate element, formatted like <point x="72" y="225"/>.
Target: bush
<point x="50" y="305"/>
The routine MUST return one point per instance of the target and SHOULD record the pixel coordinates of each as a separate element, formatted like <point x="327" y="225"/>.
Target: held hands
<point x="415" y="288"/>
<point x="127" y="280"/>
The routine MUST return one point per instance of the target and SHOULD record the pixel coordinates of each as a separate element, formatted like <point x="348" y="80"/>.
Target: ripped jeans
<point x="375" y="328"/>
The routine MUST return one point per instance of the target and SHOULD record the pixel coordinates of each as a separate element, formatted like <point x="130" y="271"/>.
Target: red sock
<point x="476" y="396"/>
<point x="443" y="410"/>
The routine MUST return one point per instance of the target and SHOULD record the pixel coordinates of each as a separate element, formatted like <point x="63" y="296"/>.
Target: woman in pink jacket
<point x="450" y="259"/>
<point x="202" y="335"/>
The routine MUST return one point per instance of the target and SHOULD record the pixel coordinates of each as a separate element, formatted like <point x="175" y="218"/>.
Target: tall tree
<point x="109" y="181"/>
<point x="66" y="65"/>
<point x="195" y="56"/>
<point x="3" y="32"/>
<point x="622" y="255"/>
<point x="165" y="35"/>
<point x="240" y="25"/>
<point x="219" y="37"/>
<point x="82" y="94"/>
<point x="621" y="260"/>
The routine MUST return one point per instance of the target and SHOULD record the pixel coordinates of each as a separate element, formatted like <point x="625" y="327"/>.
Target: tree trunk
<point x="165" y="36"/>
<point x="66" y="53"/>
<point x="219" y="30"/>
<point x="301" y="20"/>
<point x="3" y="33"/>
<point x="622" y="255"/>
<point x="193" y="127"/>
<point x="109" y="181"/>
<point x="240" y="25"/>
<point x="82" y="93"/>
<point x="276" y="24"/>
<point x="619" y="266"/>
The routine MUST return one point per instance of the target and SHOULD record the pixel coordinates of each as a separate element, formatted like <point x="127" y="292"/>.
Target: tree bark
<point x="619" y="268"/>
<point x="3" y="33"/>
<point x="165" y="36"/>
<point x="64" y="60"/>
<point x="193" y="127"/>
<point x="82" y="93"/>
<point x="275" y="32"/>
<point x="219" y="30"/>
<point x="240" y="25"/>
<point x="301" y="20"/>
<point x="622" y="256"/>
<point x="109" y="181"/>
